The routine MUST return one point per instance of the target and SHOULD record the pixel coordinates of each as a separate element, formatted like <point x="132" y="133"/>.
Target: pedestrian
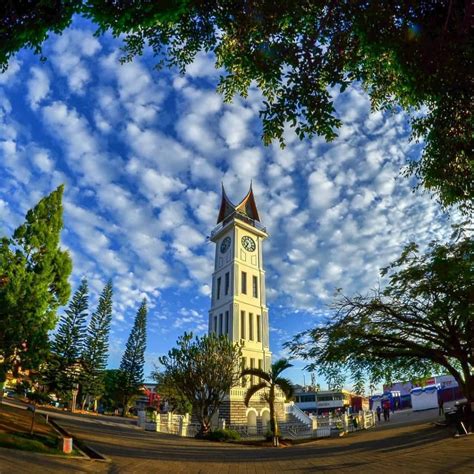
<point x="386" y="410"/>
<point x="440" y="407"/>
<point x="378" y="411"/>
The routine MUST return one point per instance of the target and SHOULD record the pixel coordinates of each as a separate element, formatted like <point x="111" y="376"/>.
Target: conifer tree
<point x="68" y="343"/>
<point x="133" y="359"/>
<point x="69" y="340"/>
<point x="34" y="273"/>
<point x="96" y="348"/>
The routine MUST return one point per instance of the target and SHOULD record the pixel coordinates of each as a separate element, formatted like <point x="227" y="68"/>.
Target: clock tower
<point x="238" y="307"/>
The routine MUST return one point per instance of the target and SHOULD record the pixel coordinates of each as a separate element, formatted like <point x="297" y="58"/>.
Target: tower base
<point x="256" y="415"/>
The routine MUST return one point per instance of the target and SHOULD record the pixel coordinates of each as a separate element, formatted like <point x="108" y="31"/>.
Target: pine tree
<point x="96" y="348"/>
<point x="68" y="343"/>
<point x="69" y="340"/>
<point x="133" y="359"/>
<point x="34" y="274"/>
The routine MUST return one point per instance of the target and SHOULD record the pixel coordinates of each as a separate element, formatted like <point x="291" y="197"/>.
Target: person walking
<point x="386" y="410"/>
<point x="379" y="412"/>
<point x="440" y="407"/>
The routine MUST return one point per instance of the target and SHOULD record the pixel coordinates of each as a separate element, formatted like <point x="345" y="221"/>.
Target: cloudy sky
<point x="143" y="154"/>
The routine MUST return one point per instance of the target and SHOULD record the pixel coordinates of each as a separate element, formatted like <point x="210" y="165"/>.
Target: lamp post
<point x="75" y="391"/>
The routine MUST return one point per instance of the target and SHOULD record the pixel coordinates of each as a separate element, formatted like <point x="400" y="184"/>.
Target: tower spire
<point x="247" y="206"/>
<point x="227" y="208"/>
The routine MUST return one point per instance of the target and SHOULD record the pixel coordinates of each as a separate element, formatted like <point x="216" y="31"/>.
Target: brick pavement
<point x="399" y="448"/>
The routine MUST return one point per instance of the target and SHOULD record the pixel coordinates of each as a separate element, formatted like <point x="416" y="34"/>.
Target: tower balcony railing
<point x="240" y="216"/>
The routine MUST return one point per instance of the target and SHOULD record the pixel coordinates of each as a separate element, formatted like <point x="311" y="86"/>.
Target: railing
<point x="241" y="217"/>
<point x="298" y="414"/>
<point x="249" y="432"/>
<point x="321" y="426"/>
<point x="295" y="430"/>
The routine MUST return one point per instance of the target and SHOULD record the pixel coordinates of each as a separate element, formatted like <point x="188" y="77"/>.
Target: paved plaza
<point x="407" y="444"/>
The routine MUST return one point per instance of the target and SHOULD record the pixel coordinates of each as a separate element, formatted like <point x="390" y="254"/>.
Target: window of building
<point x="218" y="287"/>
<point x="255" y="286"/>
<point x="244" y="283"/>
<point x="260" y="366"/>
<point x="307" y="398"/>
<point x="244" y="364"/>
<point x="227" y="283"/>
<point x="227" y="322"/>
<point x="242" y="324"/>
<point x="252" y="366"/>
<point x="215" y="324"/>
<point x="251" y="326"/>
<point x="259" y="329"/>
<point x="221" y="327"/>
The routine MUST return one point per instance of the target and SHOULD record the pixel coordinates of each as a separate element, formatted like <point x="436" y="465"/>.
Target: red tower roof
<point x="246" y="207"/>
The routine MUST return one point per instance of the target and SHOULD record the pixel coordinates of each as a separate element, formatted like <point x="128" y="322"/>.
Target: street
<point x="409" y="443"/>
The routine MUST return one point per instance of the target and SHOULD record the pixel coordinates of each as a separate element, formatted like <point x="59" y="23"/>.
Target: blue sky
<point x="143" y="154"/>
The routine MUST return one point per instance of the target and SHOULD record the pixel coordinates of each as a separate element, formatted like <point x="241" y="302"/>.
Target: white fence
<point x="308" y="427"/>
<point x="179" y="425"/>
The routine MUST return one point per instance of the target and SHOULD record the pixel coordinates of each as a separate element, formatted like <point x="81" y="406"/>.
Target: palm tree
<point x="270" y="382"/>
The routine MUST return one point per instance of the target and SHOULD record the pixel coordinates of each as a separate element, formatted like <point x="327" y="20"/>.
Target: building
<point x="323" y="401"/>
<point x="148" y="398"/>
<point x="449" y="389"/>
<point x="238" y="306"/>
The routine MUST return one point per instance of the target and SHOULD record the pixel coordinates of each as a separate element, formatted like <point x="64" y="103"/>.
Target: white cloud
<point x="322" y="190"/>
<point x="8" y="77"/>
<point x="38" y="86"/>
<point x="69" y="51"/>
<point x="42" y="161"/>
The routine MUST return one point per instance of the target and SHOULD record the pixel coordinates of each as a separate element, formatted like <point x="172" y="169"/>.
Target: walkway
<point x="394" y="447"/>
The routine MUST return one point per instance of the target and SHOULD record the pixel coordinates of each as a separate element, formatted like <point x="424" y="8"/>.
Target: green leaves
<point x="133" y="359"/>
<point x="202" y="370"/>
<point x="65" y="362"/>
<point x="417" y="56"/>
<point x="421" y="322"/>
<point x="96" y="349"/>
<point x="34" y="274"/>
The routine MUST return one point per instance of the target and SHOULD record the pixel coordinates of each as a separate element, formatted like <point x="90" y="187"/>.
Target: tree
<point x="96" y="350"/>
<point x="270" y="382"/>
<point x="177" y="401"/>
<point x="413" y="54"/>
<point x="36" y="398"/>
<point x="110" y="399"/>
<point x="68" y="343"/>
<point x="203" y="370"/>
<point x="422" y="321"/>
<point x="133" y="360"/>
<point x="34" y="273"/>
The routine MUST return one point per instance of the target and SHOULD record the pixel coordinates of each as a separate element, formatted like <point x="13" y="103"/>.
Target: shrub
<point x="223" y="435"/>
<point x="269" y="434"/>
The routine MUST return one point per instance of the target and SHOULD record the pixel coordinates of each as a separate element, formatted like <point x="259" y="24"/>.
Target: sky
<point x="142" y="154"/>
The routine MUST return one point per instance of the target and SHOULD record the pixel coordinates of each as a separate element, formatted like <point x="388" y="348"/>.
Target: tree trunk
<point x="33" y="415"/>
<point x="273" y="419"/>
<point x="204" y="420"/>
<point x="469" y="394"/>
<point x="466" y="385"/>
<point x="124" y="405"/>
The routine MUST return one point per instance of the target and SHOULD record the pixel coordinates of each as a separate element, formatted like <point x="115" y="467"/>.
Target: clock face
<point x="248" y="243"/>
<point x="225" y="244"/>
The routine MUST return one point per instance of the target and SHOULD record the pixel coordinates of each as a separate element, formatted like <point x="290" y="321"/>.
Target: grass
<point x="14" y="432"/>
<point x="26" y="442"/>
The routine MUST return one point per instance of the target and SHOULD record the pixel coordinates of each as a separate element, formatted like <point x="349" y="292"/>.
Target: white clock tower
<point x="238" y="307"/>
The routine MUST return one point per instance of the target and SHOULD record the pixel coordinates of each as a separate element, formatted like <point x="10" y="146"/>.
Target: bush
<point x="269" y="435"/>
<point x="223" y="435"/>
